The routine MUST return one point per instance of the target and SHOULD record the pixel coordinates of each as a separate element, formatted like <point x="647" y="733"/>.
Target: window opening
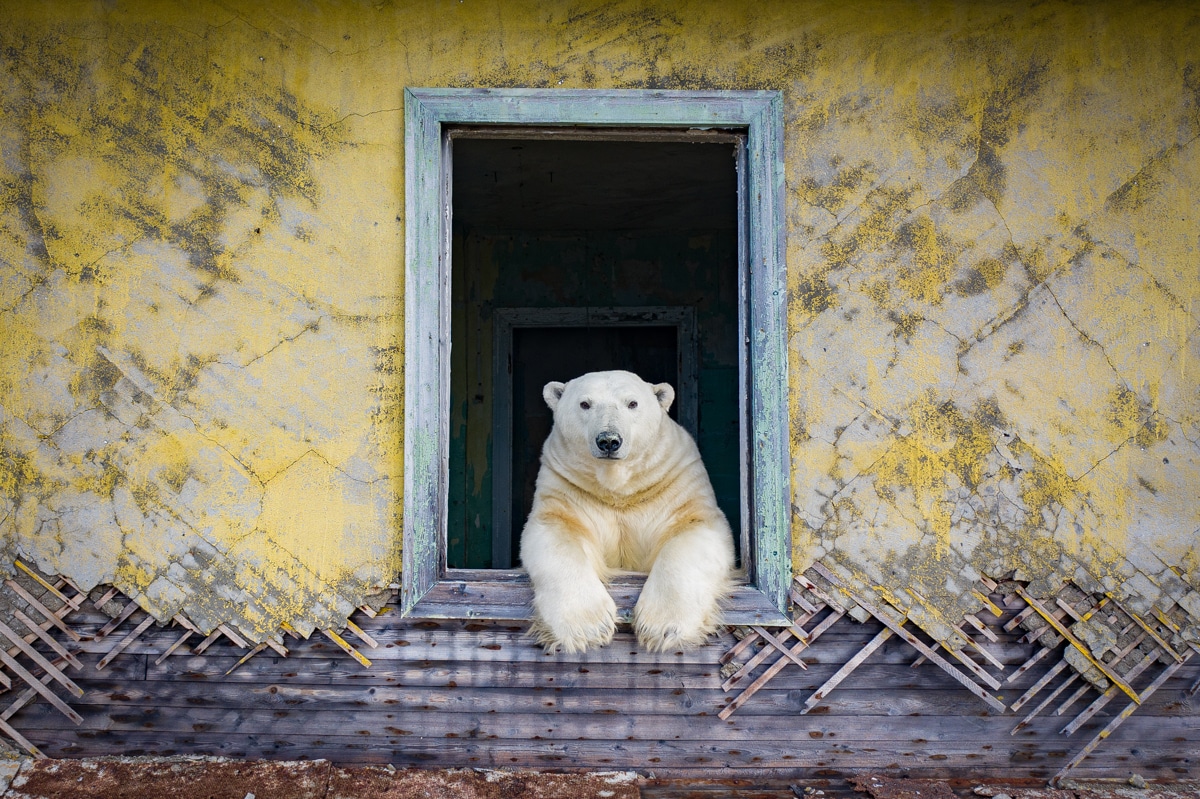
<point x="555" y="227"/>
<point x="585" y="230"/>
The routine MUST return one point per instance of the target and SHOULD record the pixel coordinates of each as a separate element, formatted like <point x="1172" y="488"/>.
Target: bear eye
<point x="585" y="405"/>
<point x="632" y="404"/>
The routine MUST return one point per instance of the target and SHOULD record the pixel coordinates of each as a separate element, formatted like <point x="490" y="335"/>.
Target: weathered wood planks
<point x="454" y="693"/>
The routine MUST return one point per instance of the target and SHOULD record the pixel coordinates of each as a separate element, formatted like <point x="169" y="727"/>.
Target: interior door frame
<point x="428" y="588"/>
<point x="506" y="320"/>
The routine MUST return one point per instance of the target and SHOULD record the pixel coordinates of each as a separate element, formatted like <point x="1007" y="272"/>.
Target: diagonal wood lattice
<point x="1069" y="645"/>
<point x="35" y="605"/>
<point x="1096" y="646"/>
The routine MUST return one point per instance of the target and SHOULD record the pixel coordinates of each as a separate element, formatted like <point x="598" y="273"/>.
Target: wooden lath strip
<point x="1082" y="647"/>
<point x="1071" y="678"/>
<point x="113" y="624"/>
<point x="125" y="643"/>
<point x="805" y="639"/>
<point x="1029" y="664"/>
<point x="1095" y="609"/>
<point x="829" y="621"/>
<point x="50" y="616"/>
<point x="1107" y="696"/>
<point x="847" y="668"/>
<point x="362" y="635"/>
<point x="103" y="600"/>
<point x="816" y="590"/>
<point x="1118" y="720"/>
<point x="37" y="685"/>
<point x="991" y="606"/>
<point x="983" y="629"/>
<point x="1050" y="675"/>
<point x="970" y="664"/>
<point x="186" y="623"/>
<point x="753" y="663"/>
<point x="22" y="740"/>
<point x="797" y="598"/>
<point x="1150" y="631"/>
<point x="52" y="589"/>
<point x="758" y="683"/>
<point x="778" y="665"/>
<point x="1072" y="699"/>
<point x="1165" y="620"/>
<point x="228" y="632"/>
<point x="39" y="659"/>
<point x="178" y="643"/>
<point x="974" y="667"/>
<point x="207" y="642"/>
<point x="39" y="632"/>
<point x="1070" y="611"/>
<point x="246" y="657"/>
<point x="741" y="646"/>
<point x="27" y="695"/>
<point x="782" y="647"/>
<point x="1016" y="620"/>
<point x="22" y="700"/>
<point x="914" y="642"/>
<point x="1053" y="672"/>
<point x="345" y="647"/>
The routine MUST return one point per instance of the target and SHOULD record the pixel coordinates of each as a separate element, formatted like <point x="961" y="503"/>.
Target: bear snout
<point x="607" y="443"/>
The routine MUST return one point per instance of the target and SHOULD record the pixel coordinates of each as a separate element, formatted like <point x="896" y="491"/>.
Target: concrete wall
<point x="993" y="253"/>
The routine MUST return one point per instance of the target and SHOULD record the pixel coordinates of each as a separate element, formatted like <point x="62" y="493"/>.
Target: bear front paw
<point x="576" y="626"/>
<point x="660" y="629"/>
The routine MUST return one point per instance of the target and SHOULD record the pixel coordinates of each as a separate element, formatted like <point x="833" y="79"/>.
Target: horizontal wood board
<point x="457" y="693"/>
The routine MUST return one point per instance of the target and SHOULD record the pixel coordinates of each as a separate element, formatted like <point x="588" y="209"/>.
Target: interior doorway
<point x="576" y="251"/>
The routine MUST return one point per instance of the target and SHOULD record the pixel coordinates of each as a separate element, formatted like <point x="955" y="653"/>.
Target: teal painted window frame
<point x="428" y="588"/>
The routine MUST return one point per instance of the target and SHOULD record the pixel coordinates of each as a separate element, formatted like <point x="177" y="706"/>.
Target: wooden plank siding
<point x="455" y="693"/>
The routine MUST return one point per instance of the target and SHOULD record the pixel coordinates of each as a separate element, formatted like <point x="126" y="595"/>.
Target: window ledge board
<point x="508" y="596"/>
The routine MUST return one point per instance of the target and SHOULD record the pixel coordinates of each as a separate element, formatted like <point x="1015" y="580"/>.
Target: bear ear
<point x="665" y="394"/>
<point x="552" y="393"/>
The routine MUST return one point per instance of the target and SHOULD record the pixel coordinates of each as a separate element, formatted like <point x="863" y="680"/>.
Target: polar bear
<point x="622" y="488"/>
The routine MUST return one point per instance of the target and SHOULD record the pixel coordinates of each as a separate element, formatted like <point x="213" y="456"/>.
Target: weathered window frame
<point x="429" y="589"/>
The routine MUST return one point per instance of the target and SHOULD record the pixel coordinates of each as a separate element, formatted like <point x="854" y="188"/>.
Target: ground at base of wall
<point x="215" y="778"/>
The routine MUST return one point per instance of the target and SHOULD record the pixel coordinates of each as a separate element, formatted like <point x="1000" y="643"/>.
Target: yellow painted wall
<point x="993" y="253"/>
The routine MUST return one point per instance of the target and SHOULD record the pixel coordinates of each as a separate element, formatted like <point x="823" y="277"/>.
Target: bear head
<point x="612" y="415"/>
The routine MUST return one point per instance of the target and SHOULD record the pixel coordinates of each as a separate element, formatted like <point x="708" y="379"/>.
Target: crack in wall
<point x="1091" y="342"/>
<point x="360" y="115"/>
<point x="309" y="327"/>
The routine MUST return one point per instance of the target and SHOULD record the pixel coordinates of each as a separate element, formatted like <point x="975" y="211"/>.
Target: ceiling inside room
<point x="572" y="185"/>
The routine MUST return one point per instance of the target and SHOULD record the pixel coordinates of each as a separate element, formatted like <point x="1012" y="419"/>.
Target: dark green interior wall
<point x="584" y="269"/>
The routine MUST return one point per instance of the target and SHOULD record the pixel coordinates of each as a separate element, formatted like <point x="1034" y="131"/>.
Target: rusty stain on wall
<point x="992" y="251"/>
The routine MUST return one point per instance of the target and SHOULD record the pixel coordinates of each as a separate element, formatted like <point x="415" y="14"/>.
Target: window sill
<point x="508" y="596"/>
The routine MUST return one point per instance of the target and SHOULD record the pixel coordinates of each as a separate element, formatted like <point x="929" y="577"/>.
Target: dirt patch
<point x="382" y="783"/>
<point x="216" y="778"/>
<point x="183" y="778"/>
<point x="890" y="788"/>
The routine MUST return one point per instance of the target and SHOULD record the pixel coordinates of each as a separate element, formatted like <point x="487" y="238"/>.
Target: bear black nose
<point x="608" y="443"/>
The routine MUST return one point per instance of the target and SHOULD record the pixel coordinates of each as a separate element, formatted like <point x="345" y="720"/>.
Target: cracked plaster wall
<point x="992" y="248"/>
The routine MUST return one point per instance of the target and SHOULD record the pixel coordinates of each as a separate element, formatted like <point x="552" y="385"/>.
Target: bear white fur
<point x="622" y="488"/>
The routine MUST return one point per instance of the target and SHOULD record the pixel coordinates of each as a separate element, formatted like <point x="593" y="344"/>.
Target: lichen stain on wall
<point x="991" y="248"/>
<point x="195" y="402"/>
<point x="993" y="346"/>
